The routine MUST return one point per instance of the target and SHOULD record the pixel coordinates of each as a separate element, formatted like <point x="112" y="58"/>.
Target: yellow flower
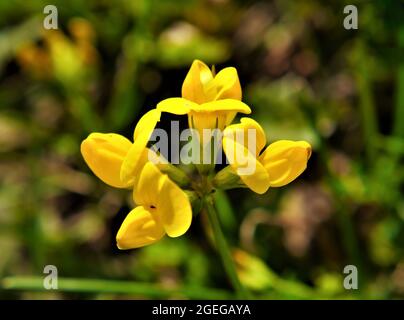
<point x="280" y="163"/>
<point x="201" y="85"/>
<point x="163" y="208"/>
<point x="210" y="101"/>
<point x="114" y="159"/>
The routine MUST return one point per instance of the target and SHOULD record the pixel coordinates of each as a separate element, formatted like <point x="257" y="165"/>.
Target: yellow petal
<point x="228" y="118"/>
<point x="223" y="105"/>
<point x="216" y="114"/>
<point x="138" y="154"/>
<point x="104" y="153"/>
<point x="245" y="125"/>
<point x="146" y="124"/>
<point x="139" y="229"/>
<point x="193" y="86"/>
<point x="174" y="208"/>
<point x="201" y="86"/>
<point x="179" y="106"/>
<point x="204" y="120"/>
<point x="285" y="160"/>
<point x="157" y="158"/>
<point x="246" y="165"/>
<point x="133" y="163"/>
<point x="206" y="115"/>
<point x="208" y="120"/>
<point x="225" y="85"/>
<point x="148" y="188"/>
<point x="166" y="201"/>
<point x="259" y="180"/>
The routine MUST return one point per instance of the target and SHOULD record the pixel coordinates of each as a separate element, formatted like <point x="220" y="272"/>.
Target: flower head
<point x="210" y="101"/>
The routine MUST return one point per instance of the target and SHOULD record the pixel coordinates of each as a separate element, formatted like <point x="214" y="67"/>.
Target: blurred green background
<point x="305" y="78"/>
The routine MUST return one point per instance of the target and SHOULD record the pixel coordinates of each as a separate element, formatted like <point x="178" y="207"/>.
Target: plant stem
<point x="224" y="250"/>
<point x="115" y="287"/>
<point x="366" y="104"/>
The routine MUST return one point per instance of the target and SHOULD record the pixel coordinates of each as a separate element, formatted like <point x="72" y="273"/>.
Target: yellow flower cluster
<point x="211" y="101"/>
<point x="162" y="206"/>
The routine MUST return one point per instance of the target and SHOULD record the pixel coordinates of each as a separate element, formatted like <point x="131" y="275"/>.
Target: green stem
<point x="224" y="250"/>
<point x="366" y="104"/>
<point x="114" y="287"/>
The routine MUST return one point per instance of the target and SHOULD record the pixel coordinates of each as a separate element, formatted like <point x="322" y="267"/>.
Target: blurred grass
<point x="116" y="287"/>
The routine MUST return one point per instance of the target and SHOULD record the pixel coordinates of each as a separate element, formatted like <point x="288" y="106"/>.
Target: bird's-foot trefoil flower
<point x="162" y="208"/>
<point x="104" y="153"/>
<point x="168" y="194"/>
<point x="279" y="164"/>
<point x="210" y="101"/>
<point x="114" y="159"/>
